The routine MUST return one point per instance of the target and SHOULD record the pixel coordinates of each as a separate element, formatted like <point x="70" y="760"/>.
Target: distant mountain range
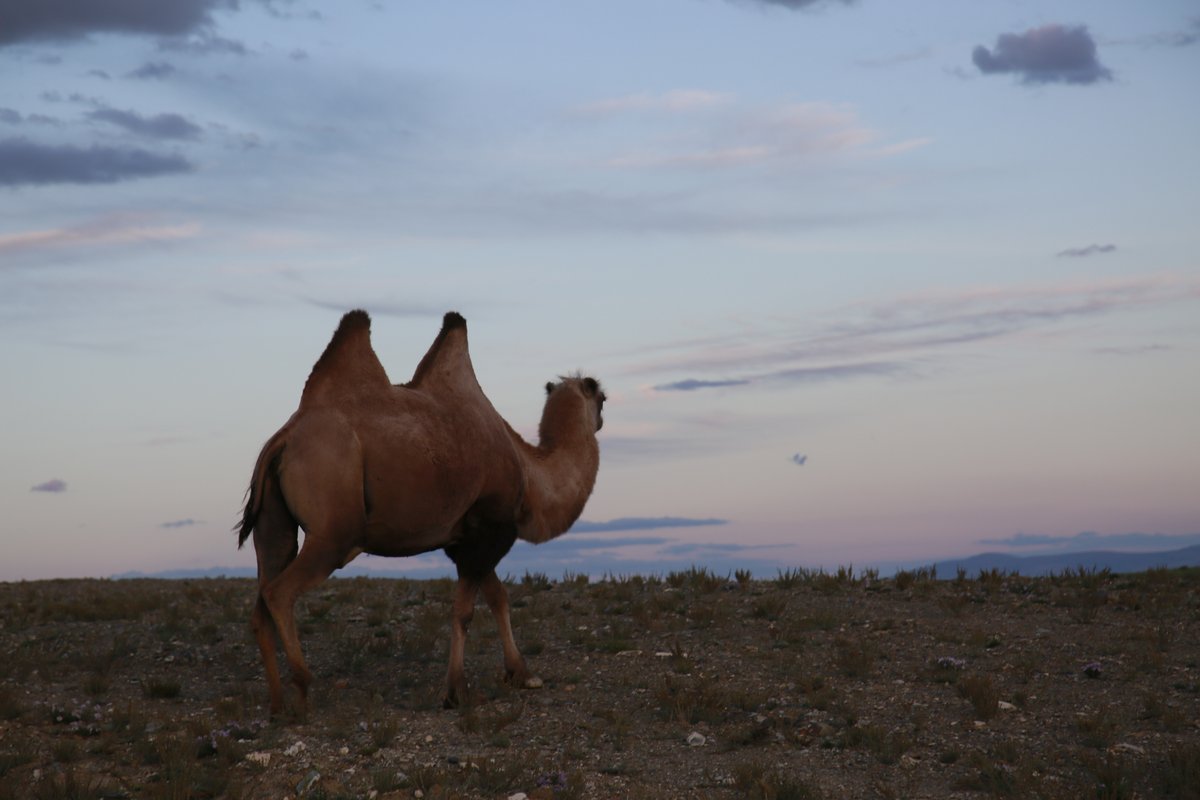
<point x="1032" y="565"/>
<point x="1058" y="562"/>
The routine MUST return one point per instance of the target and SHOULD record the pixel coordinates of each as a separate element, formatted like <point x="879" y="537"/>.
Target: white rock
<point x="345" y="751"/>
<point x="1004" y="705"/>
<point x="533" y="682"/>
<point x="296" y="749"/>
<point x="518" y="796"/>
<point x="695" y="739"/>
<point x="260" y="757"/>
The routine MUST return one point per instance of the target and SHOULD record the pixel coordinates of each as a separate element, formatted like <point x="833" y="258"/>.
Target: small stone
<point x="1004" y="705"/>
<point x="980" y="724"/>
<point x="417" y="793"/>
<point x="518" y="796"/>
<point x="695" y="739"/>
<point x="260" y="757"/>
<point x="428" y="740"/>
<point x="307" y="782"/>
<point x="344" y="751"/>
<point x="533" y="682"/>
<point x="296" y="749"/>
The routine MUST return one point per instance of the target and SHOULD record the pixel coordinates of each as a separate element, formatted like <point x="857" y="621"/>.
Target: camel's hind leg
<point x="515" y="668"/>
<point x="316" y="560"/>
<point x="275" y="547"/>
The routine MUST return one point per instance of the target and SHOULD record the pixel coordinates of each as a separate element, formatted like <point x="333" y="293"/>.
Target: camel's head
<point x="569" y="391"/>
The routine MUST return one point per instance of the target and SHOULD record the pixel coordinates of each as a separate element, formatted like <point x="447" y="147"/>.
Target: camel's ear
<point x="549" y="387"/>
<point x="590" y="386"/>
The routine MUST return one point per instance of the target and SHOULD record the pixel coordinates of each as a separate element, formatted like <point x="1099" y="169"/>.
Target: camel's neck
<point x="560" y="474"/>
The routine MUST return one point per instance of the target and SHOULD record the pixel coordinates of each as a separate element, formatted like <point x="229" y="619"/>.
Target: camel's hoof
<point x="533" y="682"/>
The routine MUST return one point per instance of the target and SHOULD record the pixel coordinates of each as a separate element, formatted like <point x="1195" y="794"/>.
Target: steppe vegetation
<point x="690" y="684"/>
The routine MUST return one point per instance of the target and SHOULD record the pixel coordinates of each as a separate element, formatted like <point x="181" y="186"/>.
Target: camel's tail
<point x="268" y="459"/>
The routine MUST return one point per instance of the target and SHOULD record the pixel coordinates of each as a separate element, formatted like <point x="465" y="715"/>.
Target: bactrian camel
<point x="364" y="466"/>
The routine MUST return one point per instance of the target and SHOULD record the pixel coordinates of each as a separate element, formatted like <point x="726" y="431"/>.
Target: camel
<point x="365" y="466"/>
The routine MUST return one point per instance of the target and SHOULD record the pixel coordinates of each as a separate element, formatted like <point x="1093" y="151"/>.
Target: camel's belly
<point x="385" y="540"/>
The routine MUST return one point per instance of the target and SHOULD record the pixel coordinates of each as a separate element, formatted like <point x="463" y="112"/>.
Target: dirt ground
<point x="688" y="685"/>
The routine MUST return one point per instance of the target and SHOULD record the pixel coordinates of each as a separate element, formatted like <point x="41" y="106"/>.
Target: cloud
<point x="23" y="162"/>
<point x="10" y="116"/>
<point x="642" y="524"/>
<point x="68" y="21"/>
<point x="1049" y="54"/>
<point x="53" y="486"/>
<point x="153" y="70"/>
<point x="781" y="135"/>
<point x="180" y="523"/>
<point x="107" y="230"/>
<point x="795" y="5"/>
<point x="799" y="460"/>
<point x="899" y="337"/>
<point x="1090" y="250"/>
<point x="1182" y="37"/>
<point x="691" y="385"/>
<point x="159" y="126"/>
<point x="678" y="100"/>
<point x="1090" y="540"/>
<point x="819" y="374"/>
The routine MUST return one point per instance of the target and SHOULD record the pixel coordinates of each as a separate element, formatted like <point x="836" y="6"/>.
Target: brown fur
<point x="365" y="466"/>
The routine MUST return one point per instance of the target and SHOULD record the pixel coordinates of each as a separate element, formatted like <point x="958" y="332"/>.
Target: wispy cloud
<point x="24" y="162"/>
<point x="788" y="134"/>
<point x="1090" y="250"/>
<point x="642" y="524"/>
<point x="794" y="5"/>
<point x="109" y="230"/>
<point x="1049" y="54"/>
<point x="180" y="523"/>
<point x="678" y="100"/>
<point x="691" y="385"/>
<point x="52" y="486"/>
<point x="896" y="338"/>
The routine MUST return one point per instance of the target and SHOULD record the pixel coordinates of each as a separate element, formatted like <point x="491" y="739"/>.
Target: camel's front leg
<point x="514" y="663"/>
<point x="457" y="693"/>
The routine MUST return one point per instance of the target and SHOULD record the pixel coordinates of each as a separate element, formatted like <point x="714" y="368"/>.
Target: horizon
<point x="863" y="284"/>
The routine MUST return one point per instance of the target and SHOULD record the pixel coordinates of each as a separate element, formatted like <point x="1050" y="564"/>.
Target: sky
<point x="865" y="282"/>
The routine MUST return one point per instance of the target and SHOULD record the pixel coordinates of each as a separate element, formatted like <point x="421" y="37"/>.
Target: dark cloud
<point x="796" y="375"/>
<point x="1050" y="54"/>
<point x="692" y="384"/>
<point x="1089" y="540"/>
<point x="642" y="524"/>
<point x="799" y="460"/>
<point x="153" y="70"/>
<point x="23" y="162"/>
<point x="180" y="523"/>
<point x="159" y="126"/>
<point x="59" y="20"/>
<point x="99" y="73"/>
<point x="1090" y="250"/>
<point x="53" y="486"/>
<point x="10" y="117"/>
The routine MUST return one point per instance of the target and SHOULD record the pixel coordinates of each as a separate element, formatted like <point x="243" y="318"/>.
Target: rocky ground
<point x="685" y="685"/>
